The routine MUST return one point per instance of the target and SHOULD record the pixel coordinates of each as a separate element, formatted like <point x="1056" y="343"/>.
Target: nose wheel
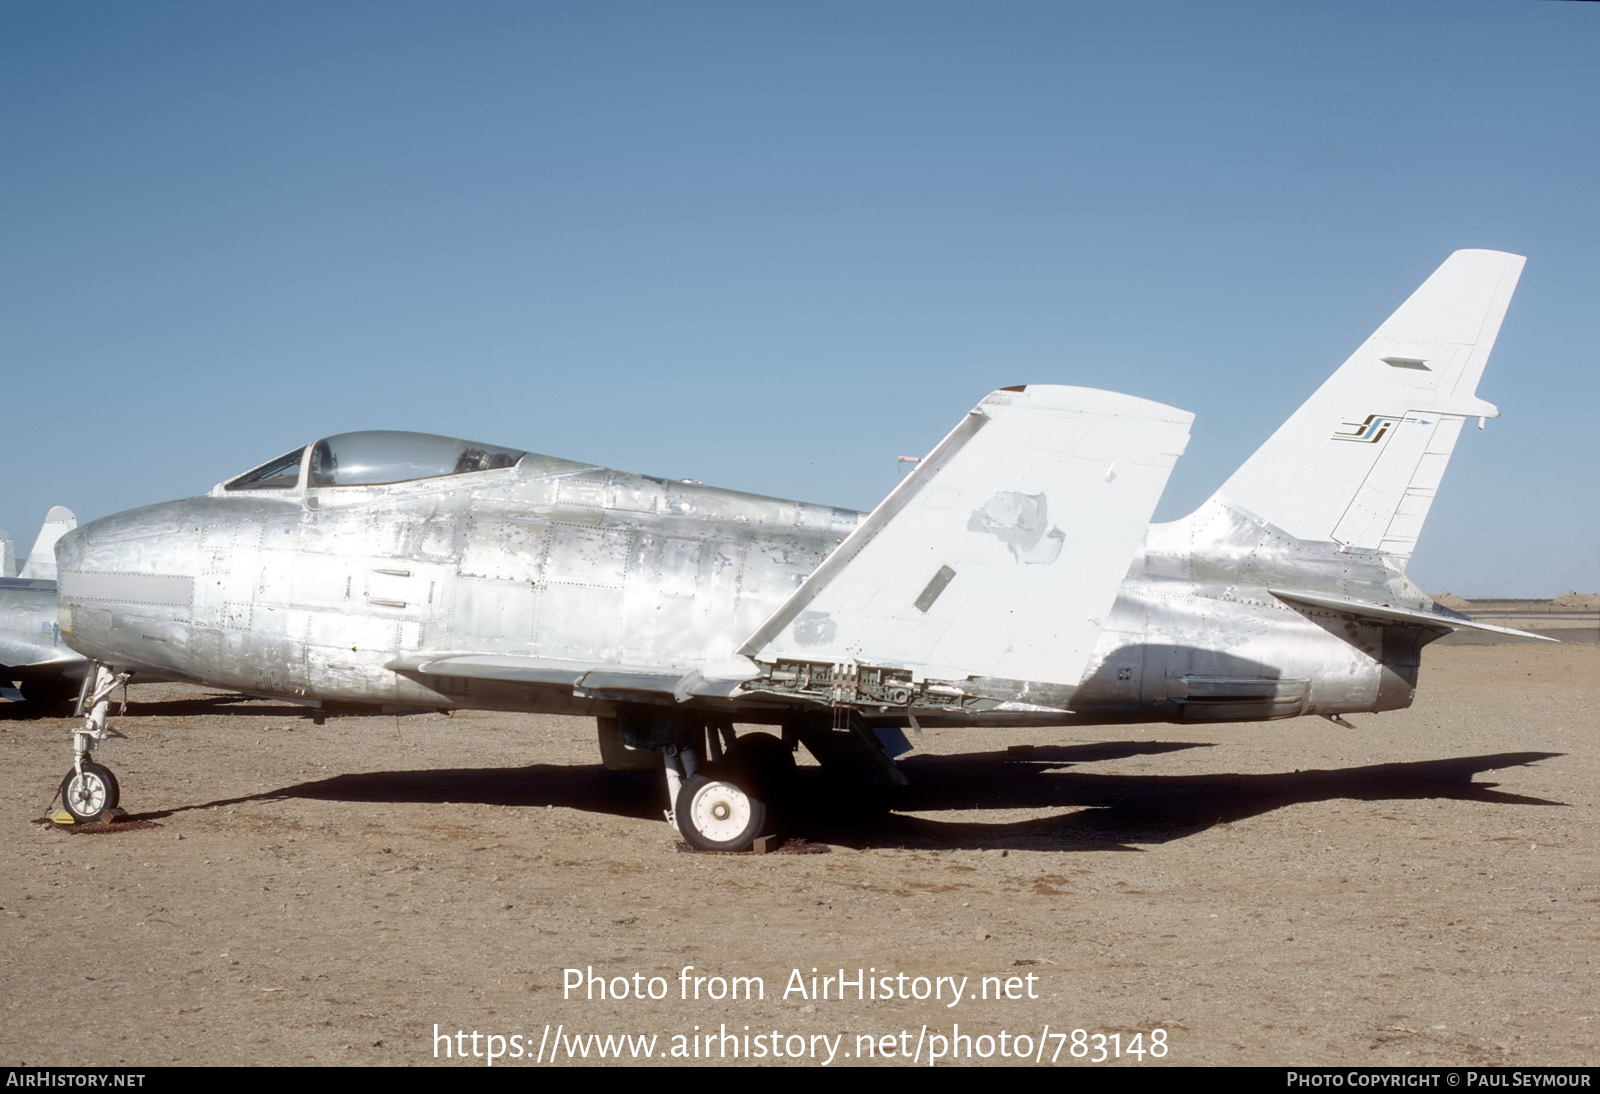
<point x="90" y="788"/>
<point x="89" y="792"/>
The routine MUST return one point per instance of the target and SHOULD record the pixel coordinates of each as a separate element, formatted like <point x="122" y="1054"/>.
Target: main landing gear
<point x="725" y="791"/>
<point x="90" y="789"/>
<point x="714" y="814"/>
<point x="728" y="804"/>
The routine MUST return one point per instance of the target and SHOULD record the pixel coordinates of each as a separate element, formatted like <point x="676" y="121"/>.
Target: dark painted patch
<point x="814" y="628"/>
<point x="935" y="586"/>
<point x="1020" y="521"/>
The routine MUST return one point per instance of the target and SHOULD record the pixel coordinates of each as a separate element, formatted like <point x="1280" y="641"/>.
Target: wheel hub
<point x="88" y="794"/>
<point x="721" y="811"/>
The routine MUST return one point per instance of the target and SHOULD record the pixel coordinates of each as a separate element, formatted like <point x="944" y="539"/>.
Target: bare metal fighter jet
<point x="1012" y="578"/>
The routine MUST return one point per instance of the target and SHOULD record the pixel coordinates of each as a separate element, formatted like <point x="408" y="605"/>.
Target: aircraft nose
<point x="150" y="540"/>
<point x="126" y="585"/>
<point x="70" y="548"/>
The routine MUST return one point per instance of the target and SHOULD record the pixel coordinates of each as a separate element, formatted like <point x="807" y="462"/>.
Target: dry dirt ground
<point x="1421" y="889"/>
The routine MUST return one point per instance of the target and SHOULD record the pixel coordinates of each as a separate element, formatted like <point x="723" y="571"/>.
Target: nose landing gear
<point x="90" y="789"/>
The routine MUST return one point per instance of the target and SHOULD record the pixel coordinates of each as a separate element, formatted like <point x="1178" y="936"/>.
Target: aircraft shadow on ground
<point x="1092" y="811"/>
<point x="1115" y="812"/>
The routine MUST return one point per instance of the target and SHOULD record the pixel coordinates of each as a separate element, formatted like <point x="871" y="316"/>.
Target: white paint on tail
<point x="1361" y="461"/>
<point x="41" y="562"/>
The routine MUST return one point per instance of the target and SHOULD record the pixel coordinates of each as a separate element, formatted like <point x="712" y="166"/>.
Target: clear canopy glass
<point x="378" y="456"/>
<point x="282" y="473"/>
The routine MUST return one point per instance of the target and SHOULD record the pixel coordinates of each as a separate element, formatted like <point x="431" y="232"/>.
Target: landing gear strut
<point x="90" y="788"/>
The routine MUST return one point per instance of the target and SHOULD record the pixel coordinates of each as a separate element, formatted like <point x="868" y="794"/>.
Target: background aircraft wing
<point x="1001" y="554"/>
<point x="26" y="639"/>
<point x="17" y="652"/>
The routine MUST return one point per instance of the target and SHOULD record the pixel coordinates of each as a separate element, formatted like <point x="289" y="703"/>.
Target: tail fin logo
<point x="1370" y="431"/>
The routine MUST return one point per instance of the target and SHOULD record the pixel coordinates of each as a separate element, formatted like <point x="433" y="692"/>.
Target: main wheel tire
<point x="89" y="793"/>
<point x="715" y="814"/>
<point x="764" y="758"/>
<point x="764" y="763"/>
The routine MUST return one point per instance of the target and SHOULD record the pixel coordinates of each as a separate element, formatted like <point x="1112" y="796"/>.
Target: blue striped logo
<point x="1370" y="431"/>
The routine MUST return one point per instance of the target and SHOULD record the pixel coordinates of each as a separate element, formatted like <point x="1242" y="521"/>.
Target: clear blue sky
<point x="773" y="246"/>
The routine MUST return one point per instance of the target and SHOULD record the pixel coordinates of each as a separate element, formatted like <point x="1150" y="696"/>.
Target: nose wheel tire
<point x="89" y="793"/>
<point x="715" y="814"/>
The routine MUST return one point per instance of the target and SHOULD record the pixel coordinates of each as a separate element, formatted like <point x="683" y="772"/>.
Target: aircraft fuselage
<point x="312" y="592"/>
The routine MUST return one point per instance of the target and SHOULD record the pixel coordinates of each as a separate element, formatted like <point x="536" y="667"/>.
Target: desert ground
<point x="1421" y="889"/>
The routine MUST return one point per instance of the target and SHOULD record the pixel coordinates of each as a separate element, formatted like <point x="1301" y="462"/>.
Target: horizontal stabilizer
<point x="1384" y="613"/>
<point x="1001" y="554"/>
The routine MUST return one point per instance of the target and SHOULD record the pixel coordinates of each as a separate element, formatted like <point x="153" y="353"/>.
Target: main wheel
<point x="764" y="764"/>
<point x="89" y="793"/>
<point x="715" y="814"/>
<point x="766" y="760"/>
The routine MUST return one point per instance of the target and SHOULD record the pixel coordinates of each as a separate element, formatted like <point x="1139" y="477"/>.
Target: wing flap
<point x="580" y="677"/>
<point x="1001" y="554"/>
<point x="511" y="670"/>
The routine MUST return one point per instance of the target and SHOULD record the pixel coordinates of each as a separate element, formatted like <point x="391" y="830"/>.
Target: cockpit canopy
<point x="375" y="457"/>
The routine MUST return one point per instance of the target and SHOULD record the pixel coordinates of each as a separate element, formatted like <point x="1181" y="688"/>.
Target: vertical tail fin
<point x="1360" y="462"/>
<point x="8" y="559"/>
<point x="42" y="559"/>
